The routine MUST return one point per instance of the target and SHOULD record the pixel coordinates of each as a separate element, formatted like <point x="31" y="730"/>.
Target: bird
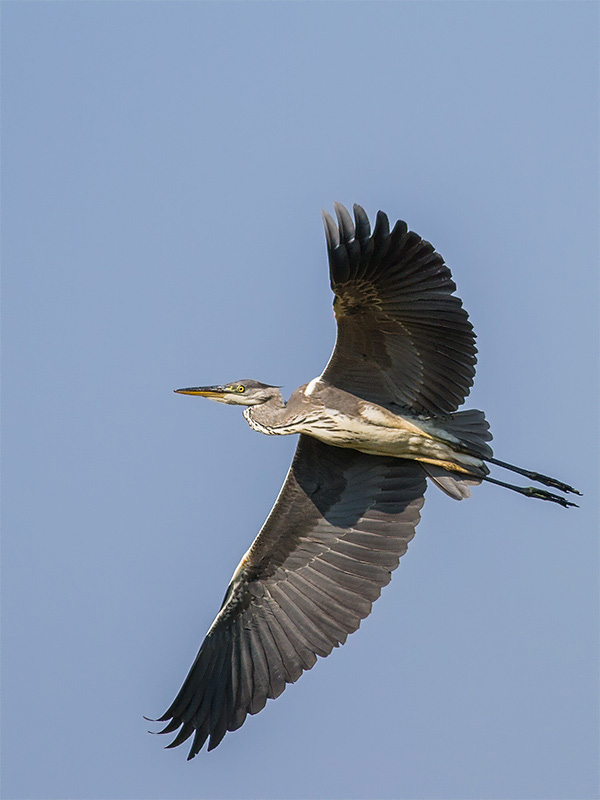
<point x="380" y="420"/>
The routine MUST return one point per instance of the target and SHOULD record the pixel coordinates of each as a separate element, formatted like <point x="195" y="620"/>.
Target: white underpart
<point x="380" y="432"/>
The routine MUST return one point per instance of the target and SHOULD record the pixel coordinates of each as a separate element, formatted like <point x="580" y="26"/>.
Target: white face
<point x="236" y="394"/>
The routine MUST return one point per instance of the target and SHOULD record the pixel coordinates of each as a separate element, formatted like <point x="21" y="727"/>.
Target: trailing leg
<point x="530" y="491"/>
<point x="534" y="476"/>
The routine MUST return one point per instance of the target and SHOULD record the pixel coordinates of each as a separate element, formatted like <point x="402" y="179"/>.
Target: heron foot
<point x="530" y="491"/>
<point x="547" y="481"/>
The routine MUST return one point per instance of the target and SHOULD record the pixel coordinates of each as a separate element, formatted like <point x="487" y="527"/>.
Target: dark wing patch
<point x="403" y="337"/>
<point x="336" y="532"/>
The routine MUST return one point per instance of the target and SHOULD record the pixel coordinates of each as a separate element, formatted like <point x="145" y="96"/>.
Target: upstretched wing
<point x="402" y="336"/>
<point x="341" y="522"/>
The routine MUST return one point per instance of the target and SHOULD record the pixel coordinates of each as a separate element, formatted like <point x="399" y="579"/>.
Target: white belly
<point x="379" y="432"/>
<point x="367" y="434"/>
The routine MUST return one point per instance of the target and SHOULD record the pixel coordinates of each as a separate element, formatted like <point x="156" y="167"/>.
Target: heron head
<point x="239" y="393"/>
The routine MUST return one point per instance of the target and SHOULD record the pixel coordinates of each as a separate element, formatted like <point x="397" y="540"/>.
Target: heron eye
<point x="241" y="389"/>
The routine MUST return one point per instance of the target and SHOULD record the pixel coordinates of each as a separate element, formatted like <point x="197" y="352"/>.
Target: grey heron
<point x="379" y="420"/>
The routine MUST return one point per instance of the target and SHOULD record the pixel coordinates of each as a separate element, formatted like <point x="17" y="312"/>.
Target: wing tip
<point x="363" y="226"/>
<point x="382" y="225"/>
<point x="331" y="231"/>
<point x="345" y="223"/>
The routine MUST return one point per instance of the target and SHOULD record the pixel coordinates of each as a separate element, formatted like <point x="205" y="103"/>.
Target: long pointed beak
<point x="203" y="391"/>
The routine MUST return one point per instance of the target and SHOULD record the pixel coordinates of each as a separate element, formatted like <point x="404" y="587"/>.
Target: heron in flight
<point x="379" y="421"/>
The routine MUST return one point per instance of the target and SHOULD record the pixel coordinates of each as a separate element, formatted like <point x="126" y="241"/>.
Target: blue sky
<point x="164" y="167"/>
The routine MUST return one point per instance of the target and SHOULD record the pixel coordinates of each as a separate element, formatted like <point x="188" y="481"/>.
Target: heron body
<point x="340" y="419"/>
<point x="379" y="421"/>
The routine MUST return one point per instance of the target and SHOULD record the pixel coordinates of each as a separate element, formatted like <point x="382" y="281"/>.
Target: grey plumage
<point x="379" y="420"/>
<point x="340" y="524"/>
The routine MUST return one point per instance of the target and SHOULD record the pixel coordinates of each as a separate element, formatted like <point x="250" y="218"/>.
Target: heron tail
<point x="472" y="429"/>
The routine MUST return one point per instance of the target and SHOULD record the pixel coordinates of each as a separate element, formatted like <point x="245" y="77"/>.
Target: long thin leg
<point x="535" y="476"/>
<point x="530" y="491"/>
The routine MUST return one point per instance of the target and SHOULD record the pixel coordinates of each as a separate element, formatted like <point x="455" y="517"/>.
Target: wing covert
<point x="337" y="530"/>
<point x="403" y="337"/>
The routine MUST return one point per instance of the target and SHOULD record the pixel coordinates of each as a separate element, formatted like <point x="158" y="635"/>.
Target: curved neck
<point x="268" y="415"/>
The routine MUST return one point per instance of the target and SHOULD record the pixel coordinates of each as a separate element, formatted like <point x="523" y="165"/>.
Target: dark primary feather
<point x="336" y="532"/>
<point x="403" y="337"/>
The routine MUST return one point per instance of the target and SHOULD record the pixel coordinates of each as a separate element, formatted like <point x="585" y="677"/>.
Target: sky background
<point x="164" y="168"/>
